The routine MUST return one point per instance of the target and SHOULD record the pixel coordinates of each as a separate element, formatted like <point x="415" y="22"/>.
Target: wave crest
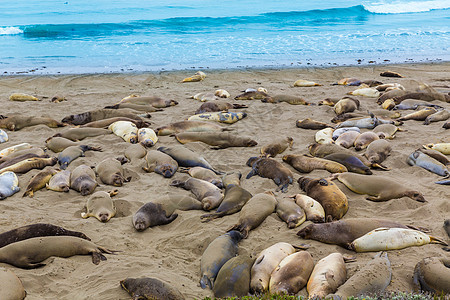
<point x="10" y="30"/>
<point x="402" y="7"/>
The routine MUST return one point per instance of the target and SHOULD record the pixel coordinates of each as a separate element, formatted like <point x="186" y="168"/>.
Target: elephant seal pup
<point x="425" y="96"/>
<point x="82" y="180"/>
<point x="204" y="174"/>
<point x="332" y="199"/>
<point x="58" y="144"/>
<point x="309" y="123"/>
<point x="209" y="194"/>
<point x="18" y="122"/>
<point x="231" y="178"/>
<point x="324" y="136"/>
<point x="442" y="115"/>
<point x="172" y="202"/>
<point x="29" y="253"/>
<point x="190" y="126"/>
<point x="101" y="206"/>
<point x="147" y="137"/>
<point x="254" y="212"/>
<point x="347" y="139"/>
<point x="152" y="214"/>
<point x="11" y="288"/>
<point x="306" y="83"/>
<point x="373" y="278"/>
<point x="388" y="130"/>
<point x="390" y="74"/>
<point x="135" y="152"/>
<point x="319" y="150"/>
<point x="218" y="106"/>
<point x="290" y="212"/>
<point x="138" y="107"/>
<point x="22" y="97"/>
<point x="187" y="158"/>
<point x="252" y="95"/>
<point x="379" y="188"/>
<point x="110" y="171"/>
<point x="222" y="117"/>
<point x="34" y="151"/>
<point x="218" y="252"/>
<point x="270" y="168"/>
<point x="266" y="262"/>
<point x="292" y="274"/>
<point x="3" y="136"/>
<point x="160" y="163"/>
<point x="9" y="184"/>
<point x="344" y="232"/>
<point x="233" y="279"/>
<point x="60" y="182"/>
<point x="437" y="156"/>
<point x="150" y="288"/>
<point x="328" y="274"/>
<point x="352" y="162"/>
<point x="106" y="122"/>
<point x="340" y="131"/>
<point x="15" y="160"/>
<point x="378" y="151"/>
<point x="432" y="274"/>
<point x="71" y="153"/>
<point x="364" y="139"/>
<point x="306" y="164"/>
<point x="219" y="140"/>
<point x="444" y="148"/>
<point x="420" y="115"/>
<point x="78" y="134"/>
<point x="99" y="114"/>
<point x="150" y="100"/>
<point x="28" y="164"/>
<point x="313" y="209"/>
<point x="422" y="160"/>
<point x="36" y="230"/>
<point x="293" y="100"/>
<point x="126" y="130"/>
<point x="39" y="181"/>
<point x="346" y="105"/>
<point x="277" y="147"/>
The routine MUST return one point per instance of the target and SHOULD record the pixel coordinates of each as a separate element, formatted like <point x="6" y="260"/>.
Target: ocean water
<point x="80" y="36"/>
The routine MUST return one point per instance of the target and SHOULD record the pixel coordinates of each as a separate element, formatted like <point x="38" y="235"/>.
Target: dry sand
<point x="172" y="252"/>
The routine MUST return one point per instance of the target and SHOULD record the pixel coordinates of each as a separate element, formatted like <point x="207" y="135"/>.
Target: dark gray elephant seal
<point x="150" y="288"/>
<point x="71" y="153"/>
<point x="83" y="180"/>
<point x="233" y="279"/>
<point x="270" y="168"/>
<point x="151" y="214"/>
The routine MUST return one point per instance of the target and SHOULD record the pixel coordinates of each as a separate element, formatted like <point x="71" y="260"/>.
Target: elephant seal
<point x="219" y="140"/>
<point x="379" y="188"/>
<point x="9" y="184"/>
<point x="332" y="199"/>
<point x="293" y="100"/>
<point x="365" y="92"/>
<point x="58" y="144"/>
<point x="3" y="136"/>
<point x="321" y="151"/>
<point x="320" y="283"/>
<point x="277" y="147"/>
<point x="36" y="230"/>
<point x="218" y="106"/>
<point x="147" y="137"/>
<point x="292" y="273"/>
<point x="441" y="115"/>
<point x="338" y="132"/>
<point x="14" y="160"/>
<point x="204" y="174"/>
<point x="344" y="232"/>
<point x="391" y="74"/>
<point x="422" y="160"/>
<point x="420" y="115"/>
<point x="378" y="151"/>
<point x="309" y="123"/>
<point x="425" y="96"/>
<point x="152" y="214"/>
<point x="28" y="164"/>
<point x="101" y="206"/>
<point x="190" y="126"/>
<point x="432" y="274"/>
<point x="106" y="122"/>
<point x="218" y="252"/>
<point x="18" y="122"/>
<point x="231" y="178"/>
<point x="209" y="194"/>
<point x="351" y="162"/>
<point x="187" y="158"/>
<point x="313" y="209"/>
<point x="126" y="130"/>
<point x="150" y="288"/>
<point x="154" y="101"/>
<point x="138" y="107"/>
<point x="306" y="83"/>
<point x="324" y="136"/>
<point x="233" y="279"/>
<point x="172" y="202"/>
<point x="392" y="94"/>
<point x="29" y="253"/>
<point x="78" y="134"/>
<point x="221" y="117"/>
<point x="135" y="152"/>
<point x="60" y="182"/>
<point x="160" y="163"/>
<point x="99" y="114"/>
<point x="306" y="164"/>
<point x="11" y="288"/>
<point x="290" y="212"/>
<point x="437" y="156"/>
<point x="252" y="95"/>
<point x="31" y="150"/>
<point x="22" y="97"/>
<point x="254" y="212"/>
<point x="364" y="139"/>
<point x="82" y="180"/>
<point x="199" y="76"/>
<point x="71" y="153"/>
<point x="110" y="171"/>
<point x="347" y="139"/>
<point x="346" y="105"/>
<point x="388" y="130"/>
<point x="39" y="181"/>
<point x="270" y="168"/>
<point x="446" y="125"/>
<point x="444" y="148"/>
<point x="373" y="278"/>
<point x="265" y="263"/>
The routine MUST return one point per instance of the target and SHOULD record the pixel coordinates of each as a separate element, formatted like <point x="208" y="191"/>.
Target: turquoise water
<point x="82" y="36"/>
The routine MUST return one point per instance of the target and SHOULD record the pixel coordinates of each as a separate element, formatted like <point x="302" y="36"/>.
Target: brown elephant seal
<point x="328" y="274"/>
<point x="379" y="188"/>
<point x="292" y="274"/>
<point x="14" y="160"/>
<point x="293" y="100"/>
<point x="270" y="168"/>
<point x="152" y="214"/>
<point x="135" y="152"/>
<point x="60" y="182"/>
<point x="190" y="126"/>
<point x="78" y="134"/>
<point x="347" y="139"/>
<point x="29" y="253"/>
<point x="441" y="115"/>
<point x="252" y="95"/>
<point x="328" y="101"/>
<point x="160" y="163"/>
<point x="352" y="162"/>
<point x="432" y="274"/>
<point x="266" y="262"/>
<point x="322" y="150"/>
<point x="233" y="279"/>
<point x="218" y="252"/>
<point x="309" y="123"/>
<point x="345" y="231"/>
<point x="425" y="96"/>
<point x="346" y="105"/>
<point x="388" y="130"/>
<point x="101" y="206"/>
<point x="30" y="163"/>
<point x="443" y="159"/>
<point x="138" y="107"/>
<point x="71" y="153"/>
<point x="204" y="174"/>
<point x="277" y="147"/>
<point x="392" y="94"/>
<point x="83" y="180"/>
<point x="154" y="101"/>
<point x="106" y="122"/>
<point x="313" y="209"/>
<point x="99" y="114"/>
<point x="306" y="164"/>
<point x="377" y="151"/>
<point x="33" y="152"/>
<point x="150" y="288"/>
<point x="231" y="178"/>
<point x="332" y="199"/>
<point x="110" y="171"/>
<point x="36" y="230"/>
<point x="18" y="122"/>
<point x="288" y="211"/>
<point x="11" y="288"/>
<point x="58" y="144"/>
<point x="446" y="125"/>
<point x="420" y="115"/>
<point x="372" y="278"/>
<point x="391" y="74"/>
<point x="209" y="194"/>
<point x="172" y="202"/>
<point x="364" y="139"/>
<point x="218" y="106"/>
<point x="39" y="181"/>
<point x="219" y="140"/>
<point x="187" y="158"/>
<point x="254" y="212"/>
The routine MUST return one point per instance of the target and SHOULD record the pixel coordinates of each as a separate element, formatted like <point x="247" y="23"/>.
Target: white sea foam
<point x="10" y="30"/>
<point x="399" y="7"/>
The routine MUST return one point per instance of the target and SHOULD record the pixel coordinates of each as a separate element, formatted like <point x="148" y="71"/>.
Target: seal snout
<point x="104" y="217"/>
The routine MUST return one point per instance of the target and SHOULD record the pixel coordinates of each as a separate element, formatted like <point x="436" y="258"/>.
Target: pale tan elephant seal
<point x="276" y="147"/>
<point x="209" y="194"/>
<point x="11" y="287"/>
<point x="60" y="182"/>
<point x="110" y="171"/>
<point x="101" y="206"/>
<point x="319" y="283"/>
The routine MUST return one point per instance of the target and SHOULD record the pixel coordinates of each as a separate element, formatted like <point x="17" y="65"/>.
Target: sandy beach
<point x="172" y="252"/>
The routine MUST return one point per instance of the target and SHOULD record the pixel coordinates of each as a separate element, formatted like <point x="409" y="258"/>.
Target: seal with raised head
<point x="290" y="212"/>
<point x="332" y="199"/>
<point x="209" y="194"/>
<point x="83" y="180"/>
<point x="313" y="209"/>
<point x="71" y="153"/>
<point x="432" y="274"/>
<point x="218" y="252"/>
<point x="39" y="181"/>
<point x="306" y="164"/>
<point x="9" y="184"/>
<point x="101" y="206"/>
<point x="18" y="122"/>
<point x="267" y="167"/>
<point x="219" y="140"/>
<point x="11" y="288"/>
<point x="160" y="163"/>
<point x="233" y="279"/>
<point x="190" y="126"/>
<point x="276" y="147"/>
<point x="152" y="214"/>
<point x="328" y="274"/>
<point x="110" y="171"/>
<point x="150" y="288"/>
<point x="186" y="157"/>
<point x="30" y="163"/>
<point x="60" y="182"/>
<point x="78" y="134"/>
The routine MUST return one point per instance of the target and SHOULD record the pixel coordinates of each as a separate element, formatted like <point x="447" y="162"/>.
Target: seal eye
<point x="323" y="182"/>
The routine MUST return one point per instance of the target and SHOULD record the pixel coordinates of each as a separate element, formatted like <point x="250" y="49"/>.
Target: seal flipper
<point x="205" y="281"/>
<point x="252" y="173"/>
<point x="169" y="219"/>
<point x="97" y="257"/>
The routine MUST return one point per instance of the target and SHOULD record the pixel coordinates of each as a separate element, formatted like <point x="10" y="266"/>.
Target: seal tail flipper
<point x="28" y="193"/>
<point x="209" y="217"/>
<point x="435" y="240"/>
<point x="252" y="173"/>
<point x="170" y="219"/>
<point x="380" y="166"/>
<point x="33" y="266"/>
<point x="97" y="257"/>
<point x="204" y="281"/>
<point x="423" y="229"/>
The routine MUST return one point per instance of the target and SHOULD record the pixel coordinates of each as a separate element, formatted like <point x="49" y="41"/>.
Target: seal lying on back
<point x="29" y="254"/>
<point x="160" y="163"/>
<point x="150" y="288"/>
<point x="209" y="194"/>
<point x="270" y="168"/>
<point x="99" y="114"/>
<point x="186" y="157"/>
<point x="18" y="122"/>
<point x="432" y="274"/>
<point x="36" y="230"/>
<point x="220" y="140"/>
<point x="190" y="126"/>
